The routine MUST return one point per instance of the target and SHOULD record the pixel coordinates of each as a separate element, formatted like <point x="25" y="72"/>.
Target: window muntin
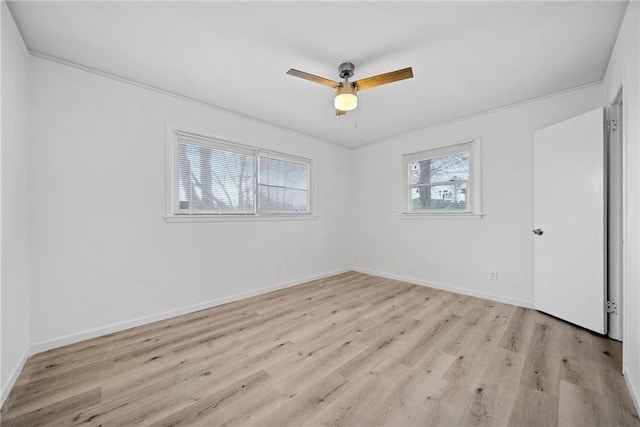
<point x="443" y="180"/>
<point x="212" y="177"/>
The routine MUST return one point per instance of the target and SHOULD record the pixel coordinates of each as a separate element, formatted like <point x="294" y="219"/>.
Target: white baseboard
<point x="41" y="346"/>
<point x="633" y="390"/>
<point x="455" y="289"/>
<point x="6" y="388"/>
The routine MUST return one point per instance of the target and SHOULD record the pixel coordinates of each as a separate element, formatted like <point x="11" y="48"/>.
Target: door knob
<point x="538" y="231"/>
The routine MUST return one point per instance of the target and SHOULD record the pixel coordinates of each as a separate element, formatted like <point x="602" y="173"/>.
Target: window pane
<point x="280" y="199"/>
<point x="213" y="180"/>
<point x="449" y="197"/>
<point x="441" y="169"/>
<point x="283" y="174"/>
<point x="283" y="186"/>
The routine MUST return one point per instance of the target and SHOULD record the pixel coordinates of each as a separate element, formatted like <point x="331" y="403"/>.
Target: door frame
<point x="616" y="221"/>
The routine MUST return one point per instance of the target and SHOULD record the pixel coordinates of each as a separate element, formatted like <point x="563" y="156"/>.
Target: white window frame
<point x="474" y="183"/>
<point x="174" y="214"/>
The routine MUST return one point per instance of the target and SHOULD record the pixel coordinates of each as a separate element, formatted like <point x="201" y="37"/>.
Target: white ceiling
<point x="467" y="57"/>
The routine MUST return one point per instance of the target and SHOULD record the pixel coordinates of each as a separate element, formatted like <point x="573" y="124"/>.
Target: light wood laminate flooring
<point x="349" y="350"/>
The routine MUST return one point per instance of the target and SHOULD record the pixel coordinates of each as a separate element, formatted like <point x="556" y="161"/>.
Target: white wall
<point x="624" y="70"/>
<point x="101" y="252"/>
<point x="13" y="202"/>
<point x="457" y="253"/>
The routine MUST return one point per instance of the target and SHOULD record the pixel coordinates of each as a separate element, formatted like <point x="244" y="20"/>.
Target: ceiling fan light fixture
<point x="346" y="99"/>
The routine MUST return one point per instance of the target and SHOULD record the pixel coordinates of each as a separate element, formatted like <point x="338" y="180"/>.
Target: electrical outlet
<point x="493" y="275"/>
<point x="279" y="268"/>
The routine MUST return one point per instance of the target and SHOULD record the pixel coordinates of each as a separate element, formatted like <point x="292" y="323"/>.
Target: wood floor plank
<point x="428" y="338"/>
<point x="357" y="405"/>
<point x="542" y="367"/>
<point x="534" y="408"/>
<point x="352" y="349"/>
<point x="168" y="391"/>
<point x="519" y="331"/>
<point x="495" y="393"/>
<point x="205" y="408"/>
<point x="578" y="406"/>
<point x="50" y="413"/>
<point x="309" y="402"/>
<point x="411" y="399"/>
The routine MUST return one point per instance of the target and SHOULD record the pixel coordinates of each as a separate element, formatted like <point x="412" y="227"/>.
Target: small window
<point x="212" y="177"/>
<point x="442" y="180"/>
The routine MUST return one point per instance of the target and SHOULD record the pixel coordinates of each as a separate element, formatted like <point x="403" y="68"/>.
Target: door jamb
<point x="615" y="327"/>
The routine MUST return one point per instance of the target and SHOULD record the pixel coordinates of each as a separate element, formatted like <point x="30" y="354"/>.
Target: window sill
<point x="448" y="215"/>
<point x="237" y="218"/>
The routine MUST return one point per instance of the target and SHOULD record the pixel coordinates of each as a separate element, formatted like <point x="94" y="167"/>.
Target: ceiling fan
<point x="346" y="99"/>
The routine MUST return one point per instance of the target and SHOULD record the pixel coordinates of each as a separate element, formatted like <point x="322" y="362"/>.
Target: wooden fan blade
<point x="383" y="79"/>
<point x="340" y="113"/>
<point x="313" y="78"/>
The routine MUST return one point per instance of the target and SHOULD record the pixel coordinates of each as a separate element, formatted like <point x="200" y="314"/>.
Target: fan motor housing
<point x="346" y="70"/>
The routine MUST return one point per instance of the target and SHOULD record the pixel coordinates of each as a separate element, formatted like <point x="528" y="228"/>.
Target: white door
<point x="569" y="220"/>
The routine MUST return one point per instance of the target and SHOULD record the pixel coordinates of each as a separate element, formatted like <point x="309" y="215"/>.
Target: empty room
<point x="305" y="213"/>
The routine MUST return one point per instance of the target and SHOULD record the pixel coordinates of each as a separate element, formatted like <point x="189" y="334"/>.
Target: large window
<point x="211" y="177"/>
<point x="442" y="180"/>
